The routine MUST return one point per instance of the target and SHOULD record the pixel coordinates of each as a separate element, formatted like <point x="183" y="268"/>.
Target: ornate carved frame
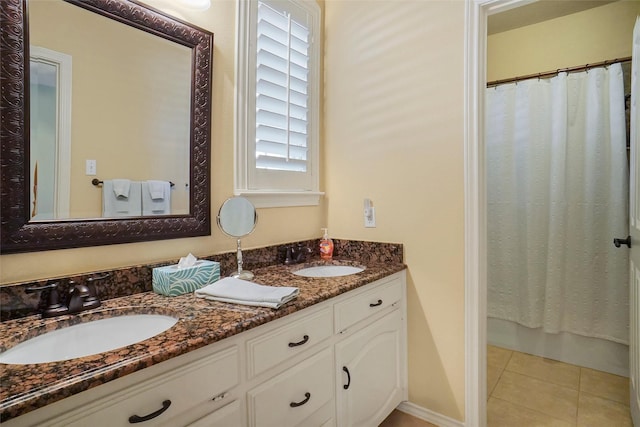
<point x="17" y="234"/>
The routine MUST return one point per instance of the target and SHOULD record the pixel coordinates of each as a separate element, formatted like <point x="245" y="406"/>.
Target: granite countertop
<point x="201" y="322"/>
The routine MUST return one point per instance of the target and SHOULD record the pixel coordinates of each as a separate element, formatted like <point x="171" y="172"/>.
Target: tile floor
<point x="531" y="391"/>
<point x="526" y="390"/>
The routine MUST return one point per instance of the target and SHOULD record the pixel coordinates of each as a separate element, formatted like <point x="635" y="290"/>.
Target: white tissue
<point x="187" y="261"/>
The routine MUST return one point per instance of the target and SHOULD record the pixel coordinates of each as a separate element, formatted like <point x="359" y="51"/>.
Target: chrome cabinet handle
<point x="304" y="341"/>
<point x="376" y="304"/>
<point x="307" y="396"/>
<point x="133" y="419"/>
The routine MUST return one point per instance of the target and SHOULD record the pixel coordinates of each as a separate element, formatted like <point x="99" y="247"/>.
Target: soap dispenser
<point x="326" y="246"/>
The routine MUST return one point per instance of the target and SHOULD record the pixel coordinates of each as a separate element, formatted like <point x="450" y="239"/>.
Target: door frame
<point x="475" y="234"/>
<point x="63" y="64"/>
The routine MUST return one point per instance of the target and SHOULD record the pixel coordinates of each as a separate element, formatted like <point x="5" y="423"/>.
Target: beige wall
<point x="394" y="134"/>
<point x="595" y="35"/>
<point x="274" y="225"/>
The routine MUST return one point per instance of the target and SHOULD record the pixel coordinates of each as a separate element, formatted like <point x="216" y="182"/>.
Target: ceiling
<point x="539" y="11"/>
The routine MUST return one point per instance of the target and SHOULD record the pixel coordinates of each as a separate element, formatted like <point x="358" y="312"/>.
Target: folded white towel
<point x="121" y="187"/>
<point x="114" y="206"/>
<point x="153" y="205"/>
<point x="156" y="189"/>
<point x="240" y="291"/>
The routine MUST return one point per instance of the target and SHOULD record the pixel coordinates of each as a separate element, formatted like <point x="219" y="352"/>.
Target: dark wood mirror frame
<point x="17" y="234"/>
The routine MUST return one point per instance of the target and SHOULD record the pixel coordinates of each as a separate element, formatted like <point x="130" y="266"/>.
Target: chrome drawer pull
<point x="307" y="396"/>
<point x="133" y="419"/>
<point x="376" y="304"/>
<point x="304" y="341"/>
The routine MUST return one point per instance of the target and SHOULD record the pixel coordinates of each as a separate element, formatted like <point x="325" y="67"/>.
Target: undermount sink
<point x="328" y="271"/>
<point x="85" y="339"/>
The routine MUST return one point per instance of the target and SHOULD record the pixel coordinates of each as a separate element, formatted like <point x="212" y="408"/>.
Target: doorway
<point x="50" y="132"/>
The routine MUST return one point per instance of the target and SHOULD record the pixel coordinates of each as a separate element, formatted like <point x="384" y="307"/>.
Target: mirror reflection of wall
<point x="131" y="97"/>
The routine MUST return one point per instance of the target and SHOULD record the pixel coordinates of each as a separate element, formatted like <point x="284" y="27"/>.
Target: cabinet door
<point x="370" y="366"/>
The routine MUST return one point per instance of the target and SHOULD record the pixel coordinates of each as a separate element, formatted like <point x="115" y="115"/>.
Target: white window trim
<point x="273" y="197"/>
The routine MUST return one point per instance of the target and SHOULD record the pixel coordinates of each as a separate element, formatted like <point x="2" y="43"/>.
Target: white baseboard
<point x="429" y="416"/>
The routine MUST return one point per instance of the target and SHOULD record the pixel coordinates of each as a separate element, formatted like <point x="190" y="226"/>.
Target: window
<point x="277" y="102"/>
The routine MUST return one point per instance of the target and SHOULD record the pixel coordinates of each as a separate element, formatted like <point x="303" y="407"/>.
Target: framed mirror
<point x="20" y="229"/>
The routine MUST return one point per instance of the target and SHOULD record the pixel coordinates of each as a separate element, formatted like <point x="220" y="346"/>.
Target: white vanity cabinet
<point x="227" y="416"/>
<point x="165" y="399"/>
<point x="371" y="372"/>
<point x="341" y="362"/>
<point x="371" y="356"/>
<point x="292" y="397"/>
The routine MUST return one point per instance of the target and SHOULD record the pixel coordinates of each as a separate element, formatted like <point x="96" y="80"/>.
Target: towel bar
<point x="97" y="182"/>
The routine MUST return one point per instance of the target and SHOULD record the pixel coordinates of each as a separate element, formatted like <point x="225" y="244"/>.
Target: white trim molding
<point x="278" y="199"/>
<point x="476" y="13"/>
<point x="64" y="65"/>
<point x="428" y="415"/>
<point x="475" y="229"/>
<point x="267" y="187"/>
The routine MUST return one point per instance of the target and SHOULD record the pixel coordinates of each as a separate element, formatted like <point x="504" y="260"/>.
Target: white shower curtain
<point x="557" y="188"/>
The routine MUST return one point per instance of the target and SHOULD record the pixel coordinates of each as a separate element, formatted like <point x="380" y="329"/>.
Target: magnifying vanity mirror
<point x="237" y="218"/>
<point x="137" y="118"/>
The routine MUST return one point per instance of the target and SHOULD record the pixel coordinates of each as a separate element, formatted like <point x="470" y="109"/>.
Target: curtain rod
<point x="560" y="70"/>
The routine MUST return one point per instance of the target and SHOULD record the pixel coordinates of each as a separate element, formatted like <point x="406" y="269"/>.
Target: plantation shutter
<point x="282" y="90"/>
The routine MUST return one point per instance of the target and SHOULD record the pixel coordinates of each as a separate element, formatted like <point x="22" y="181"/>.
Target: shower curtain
<point x="557" y="188"/>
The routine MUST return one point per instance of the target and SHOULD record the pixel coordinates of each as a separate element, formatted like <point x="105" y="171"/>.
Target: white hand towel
<point x="121" y="187"/>
<point x="156" y="189"/>
<point x="113" y="206"/>
<point x="158" y="206"/>
<point x="240" y="291"/>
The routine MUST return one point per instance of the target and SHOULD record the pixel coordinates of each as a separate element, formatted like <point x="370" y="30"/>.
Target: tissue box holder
<point x="173" y="281"/>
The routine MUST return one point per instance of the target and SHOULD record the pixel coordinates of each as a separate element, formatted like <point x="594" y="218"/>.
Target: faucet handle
<point x="288" y="259"/>
<point x="96" y="278"/>
<point x="92" y="287"/>
<point x="53" y="306"/>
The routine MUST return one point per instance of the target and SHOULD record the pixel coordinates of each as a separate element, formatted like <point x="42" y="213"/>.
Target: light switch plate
<point x="91" y="167"/>
<point x="370" y="219"/>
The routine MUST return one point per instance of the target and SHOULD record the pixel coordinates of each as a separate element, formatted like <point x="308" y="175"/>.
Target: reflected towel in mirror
<point x="156" y="197"/>
<point x="119" y="206"/>
<point x="238" y="291"/>
<point x="121" y="187"/>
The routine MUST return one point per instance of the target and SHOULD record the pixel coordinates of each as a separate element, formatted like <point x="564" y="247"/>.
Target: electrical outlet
<point x="91" y="167"/>
<point x="370" y="217"/>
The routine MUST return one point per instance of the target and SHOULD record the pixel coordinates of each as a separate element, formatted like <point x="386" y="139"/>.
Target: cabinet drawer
<point x="294" y="395"/>
<point x="275" y="347"/>
<point x="227" y="416"/>
<point x="185" y="388"/>
<point x="357" y="308"/>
